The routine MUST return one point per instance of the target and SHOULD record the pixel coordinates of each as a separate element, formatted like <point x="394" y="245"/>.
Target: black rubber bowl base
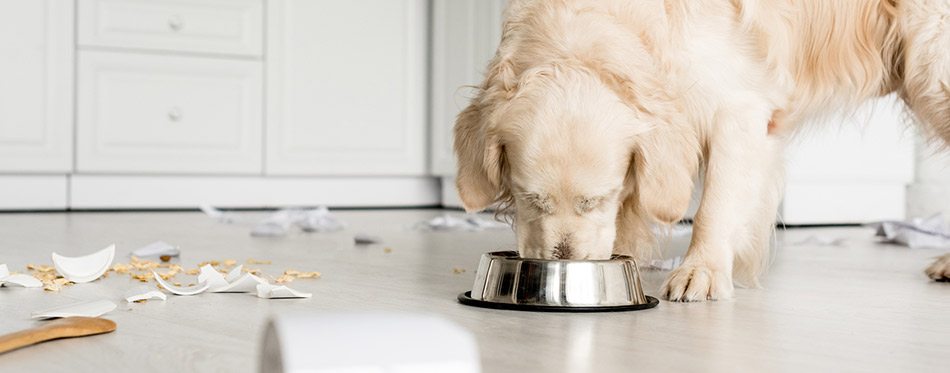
<point x="466" y="299"/>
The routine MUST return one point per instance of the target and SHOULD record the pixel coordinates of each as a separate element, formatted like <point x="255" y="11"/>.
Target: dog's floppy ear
<point x="666" y="156"/>
<point x="479" y="152"/>
<point x="479" y="160"/>
<point x="665" y="161"/>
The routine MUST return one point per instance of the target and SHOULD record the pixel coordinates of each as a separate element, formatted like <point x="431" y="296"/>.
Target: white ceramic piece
<point x="86" y="268"/>
<point x="142" y="292"/>
<point x="244" y="284"/>
<point x="268" y="291"/>
<point x="234" y="274"/>
<point x="181" y="290"/>
<point x="212" y="277"/>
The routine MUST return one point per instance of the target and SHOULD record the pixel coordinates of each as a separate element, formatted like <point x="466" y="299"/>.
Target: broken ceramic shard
<point x="268" y="291"/>
<point x="27" y="281"/>
<point x="88" y="309"/>
<point x="159" y="248"/>
<point x="234" y="282"/>
<point x="181" y="290"/>
<point x="243" y="284"/>
<point x="142" y="292"/>
<point x="86" y="268"/>
<point x="234" y="274"/>
<point x="212" y="277"/>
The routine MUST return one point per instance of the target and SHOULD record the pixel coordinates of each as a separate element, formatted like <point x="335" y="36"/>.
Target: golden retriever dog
<point x="596" y="116"/>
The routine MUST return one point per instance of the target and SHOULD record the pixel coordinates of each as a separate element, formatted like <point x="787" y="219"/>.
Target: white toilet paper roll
<point x="367" y="342"/>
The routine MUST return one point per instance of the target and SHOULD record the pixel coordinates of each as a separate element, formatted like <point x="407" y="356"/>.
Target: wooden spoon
<point x="66" y="327"/>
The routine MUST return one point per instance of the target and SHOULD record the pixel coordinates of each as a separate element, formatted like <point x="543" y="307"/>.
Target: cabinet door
<point x="36" y="84"/>
<point x="168" y="114"/>
<point x="850" y="169"/>
<point x="346" y="87"/>
<point x="465" y="35"/>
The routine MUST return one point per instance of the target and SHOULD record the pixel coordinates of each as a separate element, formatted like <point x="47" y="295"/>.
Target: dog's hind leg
<point x="741" y="192"/>
<point x="925" y="63"/>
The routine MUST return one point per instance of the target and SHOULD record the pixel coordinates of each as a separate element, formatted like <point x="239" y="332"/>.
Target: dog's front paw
<point x="940" y="270"/>
<point x="695" y="283"/>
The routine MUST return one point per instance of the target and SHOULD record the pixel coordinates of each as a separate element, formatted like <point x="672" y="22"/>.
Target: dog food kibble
<point x="388" y="250"/>
<point x="165" y="258"/>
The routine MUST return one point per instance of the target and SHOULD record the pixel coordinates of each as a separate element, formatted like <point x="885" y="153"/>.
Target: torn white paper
<point x="268" y="291"/>
<point x="88" y="309"/>
<point x="675" y="231"/>
<point x="665" y="265"/>
<point x="222" y="216"/>
<point x="932" y="232"/>
<point x="181" y="290"/>
<point x="320" y="220"/>
<point x="821" y="240"/>
<point x="309" y="220"/>
<point x="452" y="223"/>
<point x="21" y="280"/>
<point x="142" y="292"/>
<point x="282" y="221"/>
<point x="159" y="248"/>
<point x="84" y="268"/>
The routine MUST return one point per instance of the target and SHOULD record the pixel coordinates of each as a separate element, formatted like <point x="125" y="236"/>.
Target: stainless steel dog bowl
<point x="505" y="280"/>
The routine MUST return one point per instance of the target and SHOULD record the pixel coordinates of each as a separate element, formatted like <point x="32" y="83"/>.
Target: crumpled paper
<point x="932" y="232"/>
<point x="820" y="240"/>
<point x="452" y="223"/>
<point x="665" y="265"/>
<point x="282" y="221"/>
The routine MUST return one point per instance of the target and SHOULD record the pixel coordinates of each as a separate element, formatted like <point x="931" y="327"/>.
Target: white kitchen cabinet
<point x="233" y="27"/>
<point x="465" y="35"/>
<point x="36" y="84"/>
<point x="346" y="87"/>
<point x="850" y="169"/>
<point x="140" y="113"/>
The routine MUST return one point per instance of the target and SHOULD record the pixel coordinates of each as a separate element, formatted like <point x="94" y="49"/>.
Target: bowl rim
<point x="517" y="257"/>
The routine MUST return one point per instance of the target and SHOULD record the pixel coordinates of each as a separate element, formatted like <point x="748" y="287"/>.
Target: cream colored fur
<point x="596" y="115"/>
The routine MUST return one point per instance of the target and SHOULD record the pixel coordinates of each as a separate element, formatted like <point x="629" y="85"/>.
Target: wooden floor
<point x="863" y="306"/>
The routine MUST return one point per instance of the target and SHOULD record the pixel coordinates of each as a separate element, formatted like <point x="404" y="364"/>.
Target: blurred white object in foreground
<point x="374" y="342"/>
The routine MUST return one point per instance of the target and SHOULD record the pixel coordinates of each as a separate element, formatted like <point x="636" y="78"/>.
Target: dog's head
<point x="566" y="149"/>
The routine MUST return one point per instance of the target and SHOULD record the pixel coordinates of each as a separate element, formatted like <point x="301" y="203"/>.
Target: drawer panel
<point x="162" y="114"/>
<point x="206" y="26"/>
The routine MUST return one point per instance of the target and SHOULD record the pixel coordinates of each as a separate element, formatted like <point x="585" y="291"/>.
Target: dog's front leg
<point x="742" y="190"/>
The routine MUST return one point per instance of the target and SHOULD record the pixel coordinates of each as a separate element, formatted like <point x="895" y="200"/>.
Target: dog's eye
<point x="588" y="204"/>
<point x="544" y="204"/>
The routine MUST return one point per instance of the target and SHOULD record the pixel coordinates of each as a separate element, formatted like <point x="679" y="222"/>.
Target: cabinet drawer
<point x="159" y="114"/>
<point x="206" y="26"/>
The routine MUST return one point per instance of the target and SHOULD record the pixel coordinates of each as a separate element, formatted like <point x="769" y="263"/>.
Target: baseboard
<point x="831" y="203"/>
<point x="33" y="192"/>
<point x="149" y="192"/>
